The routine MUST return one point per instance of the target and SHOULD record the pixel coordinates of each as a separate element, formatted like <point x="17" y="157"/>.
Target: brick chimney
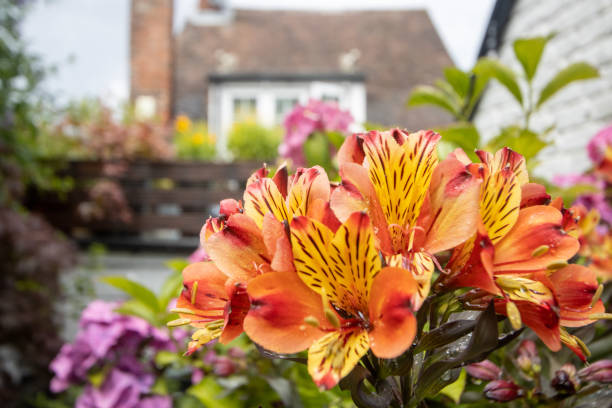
<point x="151" y="58"/>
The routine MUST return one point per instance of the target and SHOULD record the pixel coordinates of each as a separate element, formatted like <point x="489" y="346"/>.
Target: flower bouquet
<point x="390" y="281"/>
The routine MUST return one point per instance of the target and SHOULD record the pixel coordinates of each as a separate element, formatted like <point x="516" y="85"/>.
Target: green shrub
<point x="252" y="141"/>
<point x="192" y="140"/>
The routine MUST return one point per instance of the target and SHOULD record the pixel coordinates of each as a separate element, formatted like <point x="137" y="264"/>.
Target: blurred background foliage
<point x="249" y="140"/>
<point x="459" y="91"/>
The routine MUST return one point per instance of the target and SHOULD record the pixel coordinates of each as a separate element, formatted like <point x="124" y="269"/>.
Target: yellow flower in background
<point x="182" y="123"/>
<point x="197" y="138"/>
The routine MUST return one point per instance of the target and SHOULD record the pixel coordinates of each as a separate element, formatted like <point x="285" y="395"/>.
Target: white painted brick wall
<point x="584" y="33"/>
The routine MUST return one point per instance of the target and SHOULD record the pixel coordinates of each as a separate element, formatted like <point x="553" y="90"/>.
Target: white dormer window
<point x="283" y="107"/>
<point x="268" y="98"/>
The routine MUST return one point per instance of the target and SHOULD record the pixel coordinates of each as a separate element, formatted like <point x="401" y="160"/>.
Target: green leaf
<point x="335" y="138"/>
<point x="316" y="150"/>
<point x="529" y="52"/>
<point x="177" y="264"/>
<point x="525" y="141"/>
<point x="362" y="397"/>
<point x="483" y="341"/>
<point x="428" y="95"/>
<point x="170" y="289"/>
<point x="208" y="392"/>
<point x="454" y="390"/>
<point x="165" y="358"/>
<point x="135" y="307"/>
<point x="160" y="387"/>
<point x="134" y="289"/>
<point x="490" y="68"/>
<point x="576" y="72"/>
<point x="459" y="80"/>
<point x="285" y="390"/>
<point x="445" y="334"/>
<point x="462" y="134"/>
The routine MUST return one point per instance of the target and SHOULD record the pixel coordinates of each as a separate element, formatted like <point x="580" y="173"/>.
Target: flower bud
<point x="565" y="381"/>
<point x="528" y="359"/>
<point x="236" y="352"/>
<point x="484" y="370"/>
<point x="600" y="371"/>
<point x="502" y="391"/>
<point x="224" y="367"/>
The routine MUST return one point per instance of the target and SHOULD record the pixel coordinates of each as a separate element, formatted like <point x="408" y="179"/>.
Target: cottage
<point x="228" y="64"/>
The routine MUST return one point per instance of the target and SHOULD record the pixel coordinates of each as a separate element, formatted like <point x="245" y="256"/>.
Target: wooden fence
<point x="168" y="201"/>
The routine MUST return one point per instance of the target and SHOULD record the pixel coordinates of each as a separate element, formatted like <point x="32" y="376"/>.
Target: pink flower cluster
<point x="303" y="120"/>
<point x="599" y="143"/>
<point x="107" y="337"/>
<point x="597" y="199"/>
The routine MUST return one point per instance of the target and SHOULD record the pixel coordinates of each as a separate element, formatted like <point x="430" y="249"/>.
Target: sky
<point x="88" y="40"/>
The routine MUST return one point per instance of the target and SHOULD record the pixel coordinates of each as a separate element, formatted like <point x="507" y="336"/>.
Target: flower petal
<point x="205" y="295"/>
<point x="499" y="203"/>
<point x="401" y="174"/>
<point x="335" y="355"/>
<point x="280" y="303"/>
<point x="357" y="193"/>
<point x="540" y="318"/>
<point x="238" y="250"/>
<point x="277" y="243"/>
<point x="471" y="265"/>
<point x="506" y="159"/>
<point x="536" y="227"/>
<point x="391" y="312"/>
<point x="261" y="197"/>
<point x="235" y="311"/>
<point x="344" y="266"/>
<point x="421" y="267"/>
<point x="450" y="216"/>
<point x="534" y="194"/>
<point x="306" y="186"/>
<point x="574" y="287"/>
<point x="351" y="150"/>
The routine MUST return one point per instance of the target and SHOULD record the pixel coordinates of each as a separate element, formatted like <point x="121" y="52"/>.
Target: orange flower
<point x="547" y="301"/>
<point x="520" y="251"/>
<point x="517" y="235"/>
<point x="304" y="193"/>
<point x="340" y="303"/>
<point x="418" y="207"/>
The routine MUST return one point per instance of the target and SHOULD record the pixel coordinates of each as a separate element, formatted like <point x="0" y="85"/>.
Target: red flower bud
<point x="564" y="380"/>
<point x="484" y="370"/>
<point x="600" y="371"/>
<point x="224" y="367"/>
<point x="502" y="391"/>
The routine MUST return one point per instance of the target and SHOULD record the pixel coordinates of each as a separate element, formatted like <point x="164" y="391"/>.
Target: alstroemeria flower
<point x="418" y="207"/>
<point x="212" y="303"/>
<point x="546" y="301"/>
<point x="304" y="193"/>
<point x="517" y="235"/>
<point x="340" y="303"/>
<point x="214" y="297"/>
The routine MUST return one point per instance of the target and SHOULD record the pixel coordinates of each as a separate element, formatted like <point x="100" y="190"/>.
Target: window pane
<point x="330" y="98"/>
<point x="283" y="107"/>
<point x="245" y="109"/>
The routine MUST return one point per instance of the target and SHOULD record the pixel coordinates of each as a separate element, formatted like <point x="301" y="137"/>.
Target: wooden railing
<point x="168" y="201"/>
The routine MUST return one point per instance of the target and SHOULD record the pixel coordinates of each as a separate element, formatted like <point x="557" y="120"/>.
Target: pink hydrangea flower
<point x="599" y="143"/>
<point x="303" y="120"/>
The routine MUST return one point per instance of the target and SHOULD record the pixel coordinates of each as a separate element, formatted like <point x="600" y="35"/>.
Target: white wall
<point x="584" y="33"/>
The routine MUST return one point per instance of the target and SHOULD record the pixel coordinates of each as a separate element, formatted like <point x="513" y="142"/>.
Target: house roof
<point x="399" y="49"/>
